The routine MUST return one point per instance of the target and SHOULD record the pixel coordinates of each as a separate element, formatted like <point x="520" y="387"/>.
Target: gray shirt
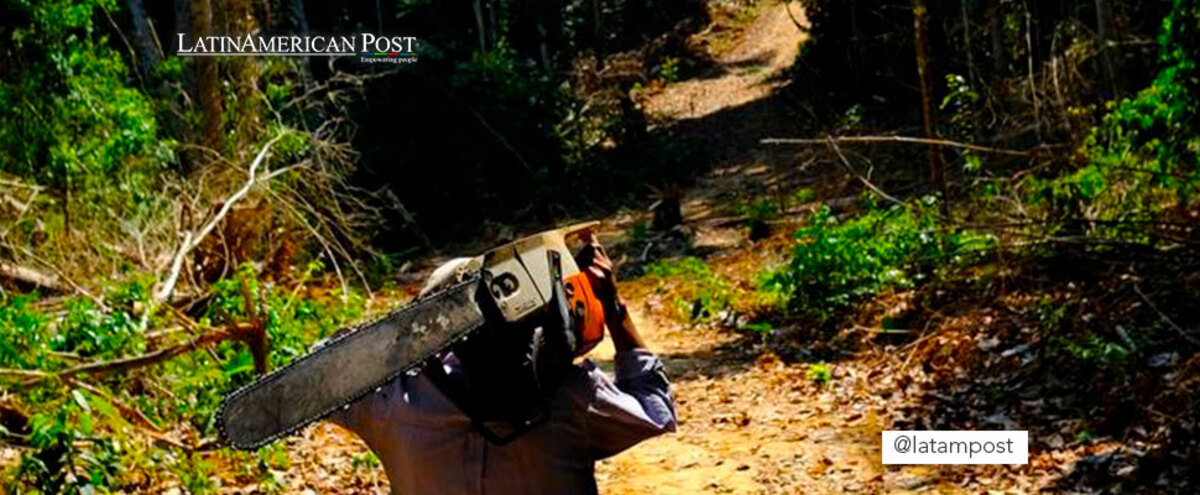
<point x="427" y="445"/>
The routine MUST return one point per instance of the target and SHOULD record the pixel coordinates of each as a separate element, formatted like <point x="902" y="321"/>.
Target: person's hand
<point x="599" y="268"/>
<point x="600" y="272"/>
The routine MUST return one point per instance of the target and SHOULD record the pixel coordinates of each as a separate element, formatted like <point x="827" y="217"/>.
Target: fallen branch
<point x="861" y="178"/>
<point x="237" y="331"/>
<point x="17" y="372"/>
<point x="129" y="413"/>
<point x="30" y="276"/>
<point x="916" y="140"/>
<point x="22" y="185"/>
<point x="1163" y="316"/>
<point x="795" y="21"/>
<point x="124" y="364"/>
<point x="193" y="239"/>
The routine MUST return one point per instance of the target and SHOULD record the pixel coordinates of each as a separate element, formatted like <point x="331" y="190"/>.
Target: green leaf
<point x="110" y="413"/>
<point x="81" y="400"/>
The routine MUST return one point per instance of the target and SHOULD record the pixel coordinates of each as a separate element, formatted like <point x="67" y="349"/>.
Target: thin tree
<point x="148" y="57"/>
<point x="208" y="91"/>
<point x="937" y="167"/>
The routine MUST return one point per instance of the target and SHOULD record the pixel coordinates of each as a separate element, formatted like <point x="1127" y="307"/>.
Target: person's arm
<point x="620" y="325"/>
<point x="639" y="404"/>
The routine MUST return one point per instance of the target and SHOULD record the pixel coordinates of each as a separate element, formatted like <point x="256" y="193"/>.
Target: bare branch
<point x="795" y="21"/>
<point x="922" y="141"/>
<point x="238" y="331"/>
<point x="30" y="276"/>
<point x="1166" y="319"/>
<point x="846" y="164"/>
<point x="192" y="239"/>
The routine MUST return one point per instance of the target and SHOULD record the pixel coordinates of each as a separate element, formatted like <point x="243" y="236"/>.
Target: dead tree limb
<point x="850" y="168"/>
<point x="234" y="331"/>
<point x="1166" y="319"/>
<point x="921" y="141"/>
<point x="30" y="276"/>
<point x="256" y="335"/>
<point x="795" y="21"/>
<point x="192" y="239"/>
<point x="125" y="364"/>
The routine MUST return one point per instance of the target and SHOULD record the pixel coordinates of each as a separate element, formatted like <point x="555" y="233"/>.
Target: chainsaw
<point x="532" y="285"/>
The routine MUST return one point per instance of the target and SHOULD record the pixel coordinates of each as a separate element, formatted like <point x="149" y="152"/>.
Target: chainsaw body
<point x="521" y="278"/>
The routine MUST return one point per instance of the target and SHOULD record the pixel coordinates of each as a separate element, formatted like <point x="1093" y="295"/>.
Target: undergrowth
<point x="699" y="294"/>
<point x="837" y="263"/>
<point x="89" y="433"/>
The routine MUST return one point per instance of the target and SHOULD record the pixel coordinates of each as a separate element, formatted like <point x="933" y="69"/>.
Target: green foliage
<point x="68" y="116"/>
<point x="30" y="339"/>
<point x="23" y="335"/>
<point x="81" y="442"/>
<point x="803" y="195"/>
<point x="837" y="263"/>
<point x="820" y="374"/>
<point x="56" y="466"/>
<point x="195" y="474"/>
<point x="760" y="327"/>
<point x="365" y="460"/>
<point x="639" y="233"/>
<point x="758" y="215"/>
<point x="1095" y="351"/>
<point x="1144" y="158"/>
<point x="1109" y="347"/>
<point x="668" y="70"/>
<point x="961" y="104"/>
<point x="699" y="293"/>
<point x="762" y="330"/>
<point x="92" y="333"/>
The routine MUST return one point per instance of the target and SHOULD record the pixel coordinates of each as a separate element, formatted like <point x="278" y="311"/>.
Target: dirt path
<point x="747" y="423"/>
<point x="746" y="72"/>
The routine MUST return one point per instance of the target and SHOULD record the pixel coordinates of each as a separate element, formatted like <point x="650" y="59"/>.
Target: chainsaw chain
<point x="331" y="344"/>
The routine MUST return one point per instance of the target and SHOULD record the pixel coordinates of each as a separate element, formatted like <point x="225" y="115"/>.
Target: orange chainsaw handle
<point x="586" y="311"/>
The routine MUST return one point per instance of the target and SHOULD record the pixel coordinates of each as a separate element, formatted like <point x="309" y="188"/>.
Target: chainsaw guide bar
<point x="348" y="367"/>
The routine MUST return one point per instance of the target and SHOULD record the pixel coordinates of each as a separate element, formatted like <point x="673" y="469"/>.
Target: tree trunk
<point x="296" y="7"/>
<point x="477" y="6"/>
<point x="378" y="18"/>
<point x="208" y="91"/>
<point x="183" y="22"/>
<point x="147" y="53"/>
<point x="996" y="31"/>
<point x="1030" y="52"/>
<point x="312" y="65"/>
<point x="1102" y="48"/>
<point x="245" y="124"/>
<point x="668" y="213"/>
<point x="181" y="104"/>
<point x="937" y="167"/>
<point x="966" y="21"/>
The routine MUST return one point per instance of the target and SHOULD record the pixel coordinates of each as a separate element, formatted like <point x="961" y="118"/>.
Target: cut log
<point x="30" y="276"/>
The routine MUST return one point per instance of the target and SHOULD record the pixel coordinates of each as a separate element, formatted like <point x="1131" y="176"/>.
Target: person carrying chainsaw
<point x="433" y="432"/>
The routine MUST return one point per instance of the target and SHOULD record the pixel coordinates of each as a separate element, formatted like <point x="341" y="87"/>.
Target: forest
<point x="829" y="218"/>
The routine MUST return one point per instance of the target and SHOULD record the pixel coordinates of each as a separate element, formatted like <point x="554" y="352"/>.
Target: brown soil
<point x="746" y="72"/>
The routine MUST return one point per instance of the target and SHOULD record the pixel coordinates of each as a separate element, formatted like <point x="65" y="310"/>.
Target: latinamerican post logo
<point x="370" y="47"/>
